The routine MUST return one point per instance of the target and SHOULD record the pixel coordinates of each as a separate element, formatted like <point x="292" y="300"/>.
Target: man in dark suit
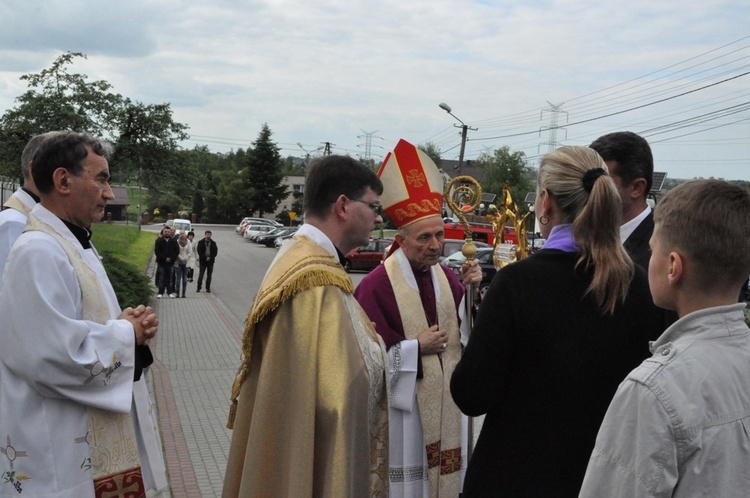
<point x="207" y="251"/>
<point x="631" y="166"/>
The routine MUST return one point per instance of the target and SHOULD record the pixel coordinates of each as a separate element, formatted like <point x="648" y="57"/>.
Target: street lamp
<point x="307" y="156"/>
<point x="464" y="129"/>
<point x="307" y="153"/>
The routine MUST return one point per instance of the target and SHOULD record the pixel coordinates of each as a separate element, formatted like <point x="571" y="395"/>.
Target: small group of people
<point x="176" y="254"/>
<point x="604" y="365"/>
<point x="612" y="362"/>
<point x="76" y="417"/>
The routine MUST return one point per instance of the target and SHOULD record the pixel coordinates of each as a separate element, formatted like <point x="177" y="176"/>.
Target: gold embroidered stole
<point x="373" y="352"/>
<point x="441" y="418"/>
<point x="301" y="265"/>
<point x="15" y="203"/>
<point x="111" y="437"/>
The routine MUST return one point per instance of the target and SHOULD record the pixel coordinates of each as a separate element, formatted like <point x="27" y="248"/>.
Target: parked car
<point x="254" y="221"/>
<point x="274" y="230"/>
<point x="451" y="246"/>
<point x="251" y="230"/>
<point x="367" y="256"/>
<point x="268" y="239"/>
<point x="535" y="243"/>
<point x="484" y="255"/>
<point x="180" y="224"/>
<point x="281" y="239"/>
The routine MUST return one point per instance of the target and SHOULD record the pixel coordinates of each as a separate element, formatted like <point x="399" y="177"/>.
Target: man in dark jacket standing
<point x="166" y="251"/>
<point x="207" y="251"/>
<point x="631" y="166"/>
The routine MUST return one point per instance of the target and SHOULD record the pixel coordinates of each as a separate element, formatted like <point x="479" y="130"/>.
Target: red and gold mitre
<point x="412" y="185"/>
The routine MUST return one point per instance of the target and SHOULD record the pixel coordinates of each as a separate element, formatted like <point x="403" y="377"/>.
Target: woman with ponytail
<point x="554" y="336"/>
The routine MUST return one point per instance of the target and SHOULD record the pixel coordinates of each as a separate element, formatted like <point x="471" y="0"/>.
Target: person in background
<point x="17" y="208"/>
<point x="554" y="336"/>
<point x="309" y="408"/>
<point x="678" y="424"/>
<point x="631" y="166"/>
<point x="166" y="251"/>
<point x="191" y="260"/>
<point x="207" y="251"/>
<point x="185" y="255"/>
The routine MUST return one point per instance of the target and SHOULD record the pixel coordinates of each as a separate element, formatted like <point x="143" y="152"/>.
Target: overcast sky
<point x="340" y="71"/>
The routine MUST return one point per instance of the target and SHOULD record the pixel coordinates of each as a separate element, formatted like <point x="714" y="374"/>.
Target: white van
<point x="180" y="224"/>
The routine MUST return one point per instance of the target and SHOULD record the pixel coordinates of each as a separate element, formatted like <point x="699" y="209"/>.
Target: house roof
<point x="121" y="197"/>
<point x="469" y="168"/>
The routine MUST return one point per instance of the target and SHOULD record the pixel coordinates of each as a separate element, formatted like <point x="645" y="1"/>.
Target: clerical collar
<point x="32" y="195"/>
<point x="83" y="235"/>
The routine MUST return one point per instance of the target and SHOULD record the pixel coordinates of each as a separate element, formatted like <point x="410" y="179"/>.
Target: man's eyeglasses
<point x="376" y="207"/>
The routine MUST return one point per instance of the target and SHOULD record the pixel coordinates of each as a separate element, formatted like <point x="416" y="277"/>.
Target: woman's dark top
<point x="543" y="363"/>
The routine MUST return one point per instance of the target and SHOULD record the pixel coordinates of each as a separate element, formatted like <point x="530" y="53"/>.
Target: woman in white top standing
<point x="191" y="260"/>
<point x="186" y="254"/>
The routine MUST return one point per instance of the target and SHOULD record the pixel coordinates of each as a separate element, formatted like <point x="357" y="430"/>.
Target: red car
<point x="366" y="257"/>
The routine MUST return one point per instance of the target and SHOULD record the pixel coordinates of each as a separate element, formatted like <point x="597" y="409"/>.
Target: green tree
<point x="145" y="136"/>
<point x="56" y="100"/>
<point x="198" y="203"/>
<point x="264" y="174"/>
<point x="292" y="166"/>
<point x="431" y="150"/>
<point x="211" y="197"/>
<point x="503" y="166"/>
<point x="146" y="147"/>
<point x="234" y="195"/>
<point x="741" y="183"/>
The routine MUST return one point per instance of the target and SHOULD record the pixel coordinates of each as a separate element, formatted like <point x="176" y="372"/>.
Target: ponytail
<point x="589" y="200"/>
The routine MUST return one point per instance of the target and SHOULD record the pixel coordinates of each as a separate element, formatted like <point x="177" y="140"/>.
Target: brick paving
<point x="197" y="352"/>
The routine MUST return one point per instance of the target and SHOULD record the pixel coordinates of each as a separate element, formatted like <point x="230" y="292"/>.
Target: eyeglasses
<point x="376" y="207"/>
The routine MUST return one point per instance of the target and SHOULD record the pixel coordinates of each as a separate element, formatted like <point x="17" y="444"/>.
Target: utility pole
<point x="327" y="148"/>
<point x="368" y="144"/>
<point x="367" y="157"/>
<point x="554" y="111"/>
<point x="464" y="130"/>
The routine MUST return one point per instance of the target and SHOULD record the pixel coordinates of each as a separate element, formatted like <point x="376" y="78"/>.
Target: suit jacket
<point x="166" y="248"/>
<point x="637" y="244"/>
<point x="207" y="247"/>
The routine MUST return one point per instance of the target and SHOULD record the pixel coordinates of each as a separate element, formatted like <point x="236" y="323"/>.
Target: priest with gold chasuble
<point x="417" y="307"/>
<point x="309" y="404"/>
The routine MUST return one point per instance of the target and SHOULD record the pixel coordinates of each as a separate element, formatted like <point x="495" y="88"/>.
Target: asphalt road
<point x="239" y="269"/>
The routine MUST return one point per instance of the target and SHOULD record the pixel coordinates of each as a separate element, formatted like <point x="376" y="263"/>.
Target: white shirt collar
<point x="316" y="235"/>
<point x="628" y="228"/>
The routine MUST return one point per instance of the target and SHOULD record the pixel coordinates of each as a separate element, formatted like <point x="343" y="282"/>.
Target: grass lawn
<point x="134" y="194"/>
<point x="126" y="242"/>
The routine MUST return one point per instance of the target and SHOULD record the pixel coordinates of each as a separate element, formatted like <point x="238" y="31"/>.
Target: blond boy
<point x="679" y="425"/>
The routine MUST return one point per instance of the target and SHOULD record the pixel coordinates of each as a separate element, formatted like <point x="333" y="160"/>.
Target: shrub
<point x="131" y="286"/>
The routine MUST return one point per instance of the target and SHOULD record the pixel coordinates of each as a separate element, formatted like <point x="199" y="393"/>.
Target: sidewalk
<point x="197" y="352"/>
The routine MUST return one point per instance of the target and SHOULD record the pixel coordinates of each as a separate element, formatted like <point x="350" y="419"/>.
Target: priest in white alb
<point x="67" y="360"/>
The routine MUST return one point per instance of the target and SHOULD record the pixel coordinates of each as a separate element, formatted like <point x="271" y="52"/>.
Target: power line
<point x="616" y="113"/>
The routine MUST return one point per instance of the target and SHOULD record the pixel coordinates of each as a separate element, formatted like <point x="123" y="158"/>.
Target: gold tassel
<point x="308" y="273"/>
<point x="232" y="414"/>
